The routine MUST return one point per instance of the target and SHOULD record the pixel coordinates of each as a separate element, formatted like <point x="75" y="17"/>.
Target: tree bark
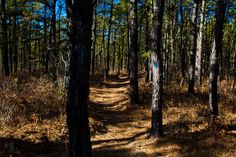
<point x="29" y="45"/>
<point x="15" y="38"/>
<point x="108" y="41"/>
<point x="147" y="36"/>
<point x="114" y="51"/>
<point x="80" y="34"/>
<point x="214" y="60"/>
<point x="192" y="55"/>
<point x="200" y="47"/>
<point x="182" y="56"/>
<point x="157" y="95"/>
<point x="103" y="43"/>
<point x="191" y="70"/>
<point x="133" y="22"/>
<point x="5" y="58"/>
<point x="94" y="39"/>
<point x="55" y="58"/>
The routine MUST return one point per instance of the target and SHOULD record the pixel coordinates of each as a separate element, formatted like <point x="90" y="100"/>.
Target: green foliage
<point x="145" y="54"/>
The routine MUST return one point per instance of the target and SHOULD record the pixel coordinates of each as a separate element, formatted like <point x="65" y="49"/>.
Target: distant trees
<point x="33" y="37"/>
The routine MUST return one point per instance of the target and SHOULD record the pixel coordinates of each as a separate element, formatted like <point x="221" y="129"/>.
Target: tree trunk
<point x="15" y="38"/>
<point x="214" y="61"/>
<point x="10" y="37"/>
<point x="133" y="22"/>
<point x="5" y="59"/>
<point x="200" y="47"/>
<point x="103" y="43"/>
<point x="80" y="34"/>
<point x="54" y="47"/>
<point x="29" y="48"/>
<point x="147" y="66"/>
<point x="128" y="44"/>
<point x="94" y="39"/>
<point x="122" y="52"/>
<point x="108" y="41"/>
<point x="157" y="95"/>
<point x="234" y="69"/>
<point x="182" y="56"/>
<point x="45" y="54"/>
<point x="192" y="55"/>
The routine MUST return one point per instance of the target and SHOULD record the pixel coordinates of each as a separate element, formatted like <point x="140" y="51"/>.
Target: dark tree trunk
<point x="45" y="54"/>
<point x="103" y="43"/>
<point x="147" y="66"/>
<point x="157" y="95"/>
<point x="234" y="69"/>
<point x="127" y="61"/>
<point x="133" y="22"/>
<point x="108" y="42"/>
<point x="15" y="38"/>
<point x="80" y="34"/>
<point x="29" y="48"/>
<point x="216" y="50"/>
<point x="94" y="39"/>
<point x="10" y="34"/>
<point x="54" y="46"/>
<point x="192" y="54"/>
<point x="122" y="53"/>
<point x="114" y="52"/>
<point x="24" y="56"/>
<point x="182" y="56"/>
<point x="5" y="59"/>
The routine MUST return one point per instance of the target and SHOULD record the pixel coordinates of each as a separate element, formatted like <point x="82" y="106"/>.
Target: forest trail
<point x="126" y="127"/>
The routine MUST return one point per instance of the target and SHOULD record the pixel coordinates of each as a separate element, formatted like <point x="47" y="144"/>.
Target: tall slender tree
<point x="55" y="59"/>
<point x="157" y="94"/>
<point x="214" y="57"/>
<point x="5" y="58"/>
<point x="80" y="15"/>
<point x="182" y="55"/>
<point x="192" y="54"/>
<point x="200" y="46"/>
<point x="15" y="38"/>
<point x="133" y="52"/>
<point x="94" y="38"/>
<point x="108" y="40"/>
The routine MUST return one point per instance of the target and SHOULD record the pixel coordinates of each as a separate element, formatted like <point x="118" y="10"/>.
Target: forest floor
<point x="33" y="121"/>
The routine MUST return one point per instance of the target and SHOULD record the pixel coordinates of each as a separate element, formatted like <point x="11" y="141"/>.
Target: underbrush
<point x="187" y="115"/>
<point x="24" y="100"/>
<point x="36" y="107"/>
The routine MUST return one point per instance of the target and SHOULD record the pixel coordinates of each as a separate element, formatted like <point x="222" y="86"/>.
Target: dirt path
<point x="126" y="126"/>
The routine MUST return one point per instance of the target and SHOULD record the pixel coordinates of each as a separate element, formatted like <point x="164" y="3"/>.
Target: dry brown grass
<point x="25" y="100"/>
